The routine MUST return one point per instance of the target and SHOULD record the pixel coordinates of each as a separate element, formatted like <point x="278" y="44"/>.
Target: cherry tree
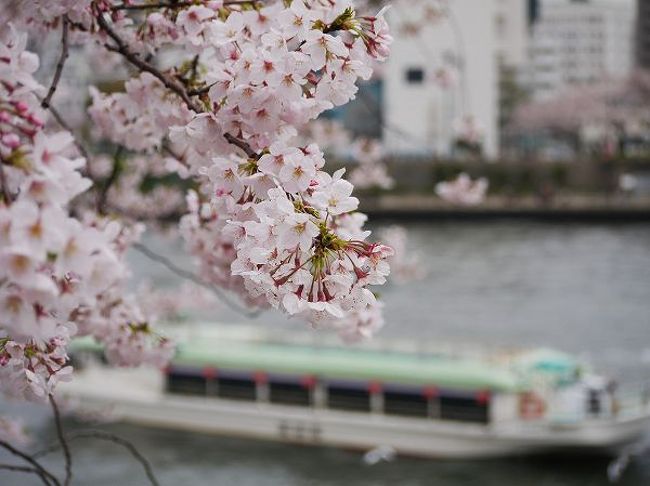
<point x="598" y="116"/>
<point x="216" y="94"/>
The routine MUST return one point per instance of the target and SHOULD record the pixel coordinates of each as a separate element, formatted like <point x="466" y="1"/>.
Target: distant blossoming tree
<point x="218" y="90"/>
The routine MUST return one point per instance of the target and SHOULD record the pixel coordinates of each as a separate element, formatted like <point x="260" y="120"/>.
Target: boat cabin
<point x="339" y="378"/>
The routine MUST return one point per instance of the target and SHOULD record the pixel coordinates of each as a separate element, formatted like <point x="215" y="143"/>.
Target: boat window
<point x="465" y="409"/>
<point x="348" y="398"/>
<point x="236" y="388"/>
<point x="289" y="393"/>
<point x="185" y="382"/>
<point x="405" y="403"/>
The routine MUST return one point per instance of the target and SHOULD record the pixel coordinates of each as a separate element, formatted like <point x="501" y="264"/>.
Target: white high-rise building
<point x="580" y="41"/>
<point x="475" y="39"/>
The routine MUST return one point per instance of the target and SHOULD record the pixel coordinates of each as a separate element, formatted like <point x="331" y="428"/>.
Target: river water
<point x="577" y="287"/>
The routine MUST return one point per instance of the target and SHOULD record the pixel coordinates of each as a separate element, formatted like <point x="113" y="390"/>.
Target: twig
<point x="62" y="440"/>
<point x="59" y="66"/>
<point x="48" y="478"/>
<point x="152" y="255"/>
<point x="242" y="145"/>
<point x="101" y="435"/>
<point x="112" y="178"/>
<point x="107" y="436"/>
<point x="200" y="91"/>
<point x="4" y="189"/>
<point x="121" y="48"/>
<point x="59" y="119"/>
<point x="25" y="469"/>
<point x="173" y="84"/>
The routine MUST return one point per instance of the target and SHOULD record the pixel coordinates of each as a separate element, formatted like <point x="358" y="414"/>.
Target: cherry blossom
<point x="54" y="266"/>
<point x="463" y="190"/>
<point x="216" y="94"/>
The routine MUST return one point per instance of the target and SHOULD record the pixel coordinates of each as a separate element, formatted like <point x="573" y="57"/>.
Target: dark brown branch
<point x="48" y="478"/>
<point x="121" y="48"/>
<point x="59" y="65"/>
<point x="4" y="188"/>
<point x="25" y="469"/>
<point x="107" y="436"/>
<point x="170" y="83"/>
<point x="199" y="91"/>
<point x="59" y="119"/>
<point x="62" y="440"/>
<point x="101" y="435"/>
<point x="242" y="145"/>
<point x="171" y="266"/>
<point x="102" y="197"/>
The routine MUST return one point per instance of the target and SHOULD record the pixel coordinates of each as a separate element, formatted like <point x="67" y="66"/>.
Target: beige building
<point x="472" y="41"/>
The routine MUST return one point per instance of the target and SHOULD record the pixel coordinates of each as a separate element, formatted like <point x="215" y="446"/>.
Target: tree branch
<point x="59" y="119"/>
<point x="25" y="469"/>
<point x="59" y="66"/>
<point x="4" y="189"/>
<point x="250" y="153"/>
<point x="170" y="83"/>
<point x="121" y="48"/>
<point x="62" y="440"/>
<point x="107" y="436"/>
<point x="171" y="266"/>
<point x="47" y="477"/>
<point x="102" y="197"/>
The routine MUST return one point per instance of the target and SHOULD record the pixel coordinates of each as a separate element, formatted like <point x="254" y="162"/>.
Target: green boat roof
<point x="348" y="363"/>
<point x="248" y="350"/>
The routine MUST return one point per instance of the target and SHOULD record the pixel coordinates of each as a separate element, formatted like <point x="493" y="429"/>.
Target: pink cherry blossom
<point x="463" y="190"/>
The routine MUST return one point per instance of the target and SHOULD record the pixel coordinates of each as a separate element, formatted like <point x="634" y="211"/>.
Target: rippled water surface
<point x="581" y="288"/>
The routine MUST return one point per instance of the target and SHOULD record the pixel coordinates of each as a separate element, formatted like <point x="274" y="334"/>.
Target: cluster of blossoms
<point x="138" y="118"/>
<point x="259" y="75"/>
<point x="54" y="268"/>
<point x="463" y="190"/>
<point x="264" y="219"/>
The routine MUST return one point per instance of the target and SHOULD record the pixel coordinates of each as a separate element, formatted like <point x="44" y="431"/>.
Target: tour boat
<point x="413" y="398"/>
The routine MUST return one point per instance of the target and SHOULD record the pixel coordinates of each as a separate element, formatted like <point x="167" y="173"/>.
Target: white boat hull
<point x="143" y="402"/>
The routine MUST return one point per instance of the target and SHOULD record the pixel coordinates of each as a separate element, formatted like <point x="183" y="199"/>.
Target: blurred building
<point x="643" y="34"/>
<point x="580" y="41"/>
<point x="473" y="41"/>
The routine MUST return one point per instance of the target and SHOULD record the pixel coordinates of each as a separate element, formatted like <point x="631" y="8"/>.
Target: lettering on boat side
<point x="299" y="431"/>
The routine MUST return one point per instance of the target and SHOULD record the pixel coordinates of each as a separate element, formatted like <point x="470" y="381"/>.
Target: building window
<point x="289" y="393"/>
<point x="236" y="388"/>
<point x="348" y="398"/>
<point x="414" y="76"/>
<point x="186" y="382"/>
<point x="405" y="403"/>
